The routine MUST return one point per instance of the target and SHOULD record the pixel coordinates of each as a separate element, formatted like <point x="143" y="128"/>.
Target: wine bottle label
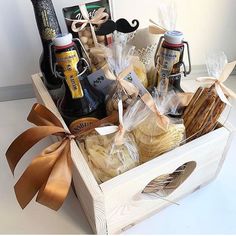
<point x="46" y="19"/>
<point x="78" y="125"/>
<point x="68" y="61"/>
<point x="168" y="58"/>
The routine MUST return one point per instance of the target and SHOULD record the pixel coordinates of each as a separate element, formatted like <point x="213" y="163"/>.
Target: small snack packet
<point x="202" y="114"/>
<point x="111" y="150"/>
<point x="153" y="140"/>
<point x="121" y="67"/>
<point x="82" y="21"/>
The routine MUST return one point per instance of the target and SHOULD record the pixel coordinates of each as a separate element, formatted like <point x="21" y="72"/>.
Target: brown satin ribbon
<point x="50" y="173"/>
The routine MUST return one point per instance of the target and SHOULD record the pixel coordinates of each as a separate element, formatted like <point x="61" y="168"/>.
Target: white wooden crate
<point x="120" y="203"/>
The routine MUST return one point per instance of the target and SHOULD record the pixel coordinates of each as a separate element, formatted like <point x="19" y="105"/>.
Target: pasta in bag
<point x="111" y="150"/>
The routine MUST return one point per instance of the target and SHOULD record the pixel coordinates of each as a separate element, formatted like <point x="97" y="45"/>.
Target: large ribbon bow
<point x="50" y="173"/>
<point x="221" y="89"/>
<point x="99" y="18"/>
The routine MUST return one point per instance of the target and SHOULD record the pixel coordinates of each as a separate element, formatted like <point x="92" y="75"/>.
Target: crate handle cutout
<point x="164" y="185"/>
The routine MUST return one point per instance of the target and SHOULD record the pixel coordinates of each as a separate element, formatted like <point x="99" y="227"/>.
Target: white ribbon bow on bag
<point x="99" y="18"/>
<point x="119" y="130"/>
<point x="221" y="89"/>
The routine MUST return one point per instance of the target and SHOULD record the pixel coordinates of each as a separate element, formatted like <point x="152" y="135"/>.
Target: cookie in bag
<point x="151" y="144"/>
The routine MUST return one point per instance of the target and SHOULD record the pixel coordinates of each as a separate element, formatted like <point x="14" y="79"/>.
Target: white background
<point x="207" y="24"/>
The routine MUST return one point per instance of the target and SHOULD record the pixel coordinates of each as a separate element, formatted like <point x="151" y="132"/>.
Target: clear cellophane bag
<point x="152" y="140"/>
<point x="120" y="56"/>
<point x="202" y="114"/>
<point x="112" y="154"/>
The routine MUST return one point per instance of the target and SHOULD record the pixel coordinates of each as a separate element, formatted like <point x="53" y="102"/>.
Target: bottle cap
<point x="174" y="37"/>
<point x="63" y="40"/>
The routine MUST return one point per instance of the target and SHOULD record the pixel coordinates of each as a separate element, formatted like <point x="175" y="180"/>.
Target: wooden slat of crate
<point x="119" y="203"/>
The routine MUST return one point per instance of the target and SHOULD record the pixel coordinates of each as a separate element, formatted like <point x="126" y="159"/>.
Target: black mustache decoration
<point x="121" y="25"/>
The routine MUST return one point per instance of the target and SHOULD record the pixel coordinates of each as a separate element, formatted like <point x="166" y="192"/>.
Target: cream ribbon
<point x="162" y="120"/>
<point x="119" y="130"/>
<point x="129" y="87"/>
<point x="156" y="29"/>
<point x="221" y="89"/>
<point x="99" y="18"/>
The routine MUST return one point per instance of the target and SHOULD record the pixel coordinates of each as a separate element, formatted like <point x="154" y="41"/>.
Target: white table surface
<point x="211" y="210"/>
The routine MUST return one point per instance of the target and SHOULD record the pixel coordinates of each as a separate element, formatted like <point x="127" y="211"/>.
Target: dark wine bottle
<point x="49" y="29"/>
<point x="81" y="104"/>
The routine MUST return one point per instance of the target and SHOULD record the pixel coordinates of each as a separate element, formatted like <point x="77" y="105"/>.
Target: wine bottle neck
<point x="46" y="19"/>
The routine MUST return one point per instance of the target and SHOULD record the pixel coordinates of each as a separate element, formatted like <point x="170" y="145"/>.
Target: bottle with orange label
<point x="81" y="104"/>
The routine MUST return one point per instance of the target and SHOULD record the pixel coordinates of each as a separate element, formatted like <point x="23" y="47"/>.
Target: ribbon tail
<point x="27" y="140"/>
<point x="54" y="192"/>
<point x="156" y="30"/>
<point x="221" y="94"/>
<point x="228" y="91"/>
<point x="107" y="130"/>
<point x="162" y="121"/>
<point x="84" y="11"/>
<point x="93" y="35"/>
<point x="100" y="16"/>
<point x="207" y="80"/>
<point x="129" y="87"/>
<point x="41" y="116"/>
<point x="229" y="67"/>
<point x="108" y="74"/>
<point x="36" y="174"/>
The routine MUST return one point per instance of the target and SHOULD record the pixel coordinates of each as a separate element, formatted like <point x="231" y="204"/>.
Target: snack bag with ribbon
<point x="120" y="68"/>
<point x="153" y="139"/>
<point x="83" y="22"/>
<point x="202" y="114"/>
<point x="111" y="150"/>
<point x="138" y="66"/>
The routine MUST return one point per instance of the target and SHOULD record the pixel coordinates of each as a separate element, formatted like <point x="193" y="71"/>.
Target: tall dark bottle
<point x="81" y="104"/>
<point x="49" y="29"/>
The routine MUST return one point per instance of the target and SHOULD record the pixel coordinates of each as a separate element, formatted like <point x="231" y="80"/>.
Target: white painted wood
<point x="87" y="189"/>
<point x="119" y="203"/>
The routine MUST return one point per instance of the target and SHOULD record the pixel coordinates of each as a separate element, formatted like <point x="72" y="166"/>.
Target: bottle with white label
<point x="169" y="60"/>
